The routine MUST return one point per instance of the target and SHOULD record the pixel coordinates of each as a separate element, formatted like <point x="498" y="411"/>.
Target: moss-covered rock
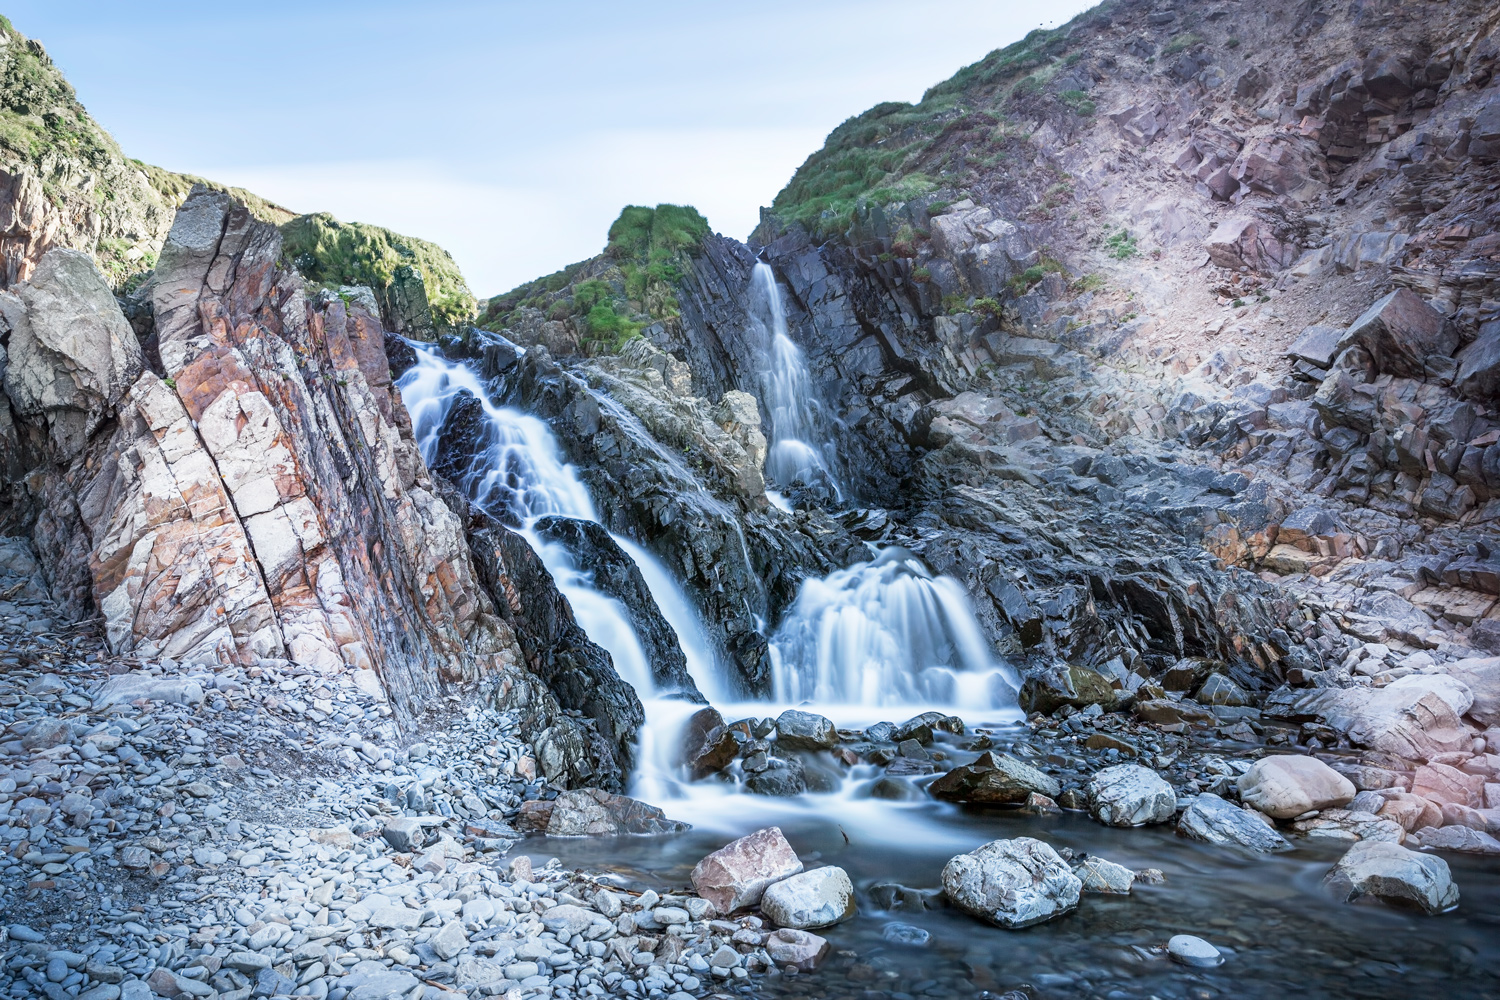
<point x="420" y="289"/>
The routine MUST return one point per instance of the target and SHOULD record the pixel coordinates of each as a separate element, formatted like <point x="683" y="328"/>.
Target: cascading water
<point x="886" y="633"/>
<point x="518" y="475"/>
<point x="797" y="449"/>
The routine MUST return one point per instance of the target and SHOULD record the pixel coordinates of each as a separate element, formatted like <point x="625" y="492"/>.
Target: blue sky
<point x="509" y="133"/>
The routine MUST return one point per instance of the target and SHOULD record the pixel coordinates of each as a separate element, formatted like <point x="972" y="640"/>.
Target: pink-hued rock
<point x="1412" y="811"/>
<point x="738" y="874"/>
<point x="793" y="947"/>
<point x="1443" y="784"/>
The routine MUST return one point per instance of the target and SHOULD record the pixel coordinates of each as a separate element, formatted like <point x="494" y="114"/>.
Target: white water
<point x="886" y="633"/>
<point x="797" y="446"/>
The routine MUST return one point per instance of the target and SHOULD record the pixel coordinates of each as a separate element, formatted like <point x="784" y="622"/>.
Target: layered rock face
<point x="259" y="496"/>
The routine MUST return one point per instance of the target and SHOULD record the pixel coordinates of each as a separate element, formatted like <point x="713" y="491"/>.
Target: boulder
<point x="1165" y="712"/>
<point x="72" y="355"/>
<point x="1317" y="345"/>
<point x="1289" y="785"/>
<point x="1413" y="718"/>
<point x="1130" y="795"/>
<point x="1401" y="333"/>
<point x="1012" y="883"/>
<point x="1411" y="812"/>
<point x="593" y="812"/>
<point x="1050" y="690"/>
<point x="1220" y="690"/>
<point x="1444" y="784"/>
<point x="818" y="898"/>
<point x="780" y="776"/>
<point x="1481" y="677"/>
<point x="1248" y="244"/>
<point x="994" y="779"/>
<point x="140" y="685"/>
<point x="1186" y="949"/>
<point x="805" y="731"/>
<point x="789" y="946"/>
<point x="1212" y="820"/>
<point x="707" y="744"/>
<point x="737" y="874"/>
<point x="1479" y="366"/>
<point x="1393" y="875"/>
<point x="1462" y="839"/>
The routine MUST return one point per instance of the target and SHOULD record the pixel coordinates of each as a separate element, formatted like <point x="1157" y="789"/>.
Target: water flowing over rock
<point x="1130" y="795"/>
<point x="1285" y="786"/>
<point x="1395" y="876"/>
<point x="1012" y="883"/>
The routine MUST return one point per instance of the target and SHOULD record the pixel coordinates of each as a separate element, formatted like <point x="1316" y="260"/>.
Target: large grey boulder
<point x="1012" y="883"/>
<point x="1480" y="677"/>
<point x="1288" y="785"/>
<point x="1131" y="795"/>
<point x="818" y="898"/>
<point x="72" y="353"/>
<point x="1414" y="717"/>
<point x="805" y="731"/>
<point x="738" y="874"/>
<point x="1212" y="820"/>
<point x="1401" y="332"/>
<point x="1388" y="872"/>
<point x="994" y="779"/>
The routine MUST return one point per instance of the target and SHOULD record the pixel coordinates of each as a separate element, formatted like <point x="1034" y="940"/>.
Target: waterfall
<point x="886" y="633"/>
<point x="798" y="439"/>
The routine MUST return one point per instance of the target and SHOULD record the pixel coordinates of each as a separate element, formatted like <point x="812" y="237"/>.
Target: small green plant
<point x="921" y="275"/>
<point x="170" y="383"/>
<point x="1232" y="43"/>
<point x="1079" y="101"/>
<point x="938" y="207"/>
<point x="1181" y="43"/>
<point x="1237" y="303"/>
<point x="987" y="306"/>
<point x="1089" y="283"/>
<point x="1121" y="246"/>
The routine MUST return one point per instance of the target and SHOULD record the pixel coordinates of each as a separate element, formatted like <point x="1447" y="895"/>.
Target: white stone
<point x="1194" y="951"/>
<point x="1131" y="795"/>
<point x="1289" y="785"/>
<point x="1012" y="883"/>
<point x="818" y="898"/>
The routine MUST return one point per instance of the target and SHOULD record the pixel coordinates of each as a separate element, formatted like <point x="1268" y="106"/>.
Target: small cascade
<point x="798" y="448"/>
<point x="886" y="633"/>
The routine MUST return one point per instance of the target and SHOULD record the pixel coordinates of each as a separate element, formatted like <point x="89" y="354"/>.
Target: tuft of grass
<point x="1079" y="101"/>
<point x="1182" y="42"/>
<point x="1121" y="245"/>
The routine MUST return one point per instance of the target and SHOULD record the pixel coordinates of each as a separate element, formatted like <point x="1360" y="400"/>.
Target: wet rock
<point x="1163" y="712"/>
<point x="780" y="776"/>
<point x="1349" y="824"/>
<point x="738" y="874"/>
<point x="1402" y="333"/>
<point x="1212" y="820"/>
<point x="1220" y="690"/>
<point x="1130" y="795"/>
<point x="905" y="935"/>
<point x="707" y="744"/>
<point x="894" y="896"/>
<point x="896" y="789"/>
<point x="593" y="812"/>
<point x="1286" y="785"/>
<point x="803" y="949"/>
<point x="1099" y="875"/>
<point x="805" y="731"/>
<point x="1189" y="950"/>
<point x="1012" y="883"/>
<point x="821" y="897"/>
<point x="1414" y="717"/>
<point x="1393" y="875"/>
<point x="993" y="779"/>
<point x="1050" y="690"/>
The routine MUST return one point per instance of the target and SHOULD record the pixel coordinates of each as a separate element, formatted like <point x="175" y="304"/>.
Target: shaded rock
<point x="1212" y="820"/>
<point x="1220" y="690"/>
<point x="1012" y="883"/>
<point x="1164" y="712"/>
<point x="1401" y="333"/>
<point x="1481" y="675"/>
<point x="593" y="812"/>
<point x="1130" y="795"/>
<point x="905" y="935"/>
<point x="780" y="776"/>
<point x="1290" y="785"/>
<point x="1249" y="244"/>
<point x="994" y="779"/>
<point x="818" y="898"/>
<point x="707" y="744"/>
<point x="1189" y="950"/>
<point x="1412" y="718"/>
<point x="1457" y="838"/>
<point x="805" y="731"/>
<point x="737" y="874"/>
<point x="789" y="946"/>
<point x="1393" y="875"/>
<point x="894" y="896"/>
<point x="1050" y="690"/>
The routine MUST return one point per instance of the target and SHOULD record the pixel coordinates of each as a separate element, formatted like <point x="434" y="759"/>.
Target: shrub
<point x="1121" y="245"/>
<point x="1181" y="43"/>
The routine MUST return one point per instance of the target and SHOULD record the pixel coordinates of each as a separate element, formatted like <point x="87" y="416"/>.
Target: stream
<point x="886" y="640"/>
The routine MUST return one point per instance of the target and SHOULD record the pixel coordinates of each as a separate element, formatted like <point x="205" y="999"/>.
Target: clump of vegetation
<point x="1232" y="43"/>
<point x="335" y="253"/>
<point x="1121" y="245"/>
<point x="1182" y="42"/>
<point x="174" y="189"/>
<point x="1088" y="283"/>
<point x="1079" y="101"/>
<point x="40" y="113"/>
<point x="1024" y="281"/>
<point x="650" y="244"/>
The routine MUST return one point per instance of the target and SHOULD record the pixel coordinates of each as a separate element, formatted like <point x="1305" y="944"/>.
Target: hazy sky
<point x="509" y="133"/>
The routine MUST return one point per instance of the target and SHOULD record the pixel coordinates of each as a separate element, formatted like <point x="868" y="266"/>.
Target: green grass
<point x="1079" y="101"/>
<point x="1121" y="245"/>
<point x="650" y="245"/>
<point x="174" y="188"/>
<point x="1181" y="43"/>
<point x="335" y="253"/>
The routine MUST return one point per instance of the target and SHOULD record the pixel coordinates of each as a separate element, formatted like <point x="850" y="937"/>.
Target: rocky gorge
<point x="1053" y="555"/>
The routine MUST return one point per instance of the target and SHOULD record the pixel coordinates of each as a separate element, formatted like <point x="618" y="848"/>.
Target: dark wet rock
<point x="994" y="779"/>
<point x="905" y="935"/>
<point x="908" y="766"/>
<point x="616" y="575"/>
<point x="1051" y="689"/>
<point x="1186" y="674"/>
<point x="918" y="729"/>
<point x="805" y="731"/>
<point x="912" y="750"/>
<point x="1012" y="883"/>
<point x="1391" y="874"/>
<point x="708" y="745"/>
<point x="1221" y="690"/>
<point x="881" y="732"/>
<point x="1162" y="712"/>
<point x="1131" y="795"/>
<point x="896" y="897"/>
<point x="780" y="776"/>
<point x="896" y="788"/>
<point x="1212" y="820"/>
